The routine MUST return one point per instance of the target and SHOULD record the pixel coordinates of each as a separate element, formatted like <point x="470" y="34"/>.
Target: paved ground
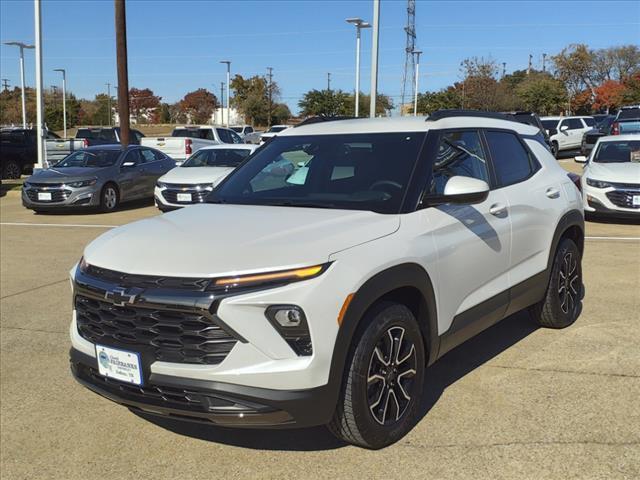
<point x="515" y="402"/>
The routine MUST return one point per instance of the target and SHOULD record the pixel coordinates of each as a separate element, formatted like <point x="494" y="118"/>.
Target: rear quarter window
<point x="511" y="160"/>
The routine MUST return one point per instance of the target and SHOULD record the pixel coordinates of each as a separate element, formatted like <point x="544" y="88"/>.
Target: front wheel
<point x="562" y="303"/>
<point x="381" y="392"/>
<point x="109" y="198"/>
<point x="555" y="149"/>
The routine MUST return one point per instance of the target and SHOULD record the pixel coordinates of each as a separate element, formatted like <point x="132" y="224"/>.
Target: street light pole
<point x="64" y="98"/>
<point x="40" y="132"/>
<point x="374" y="58"/>
<point x="228" y="62"/>
<point x="123" y="71"/>
<point x="359" y="24"/>
<point x="109" y="100"/>
<point x="415" y="97"/>
<point x="22" y="46"/>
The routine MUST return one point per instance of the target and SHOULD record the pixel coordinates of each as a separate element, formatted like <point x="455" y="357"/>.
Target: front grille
<point x="46" y="186"/>
<point x="171" y="336"/>
<point x="623" y="199"/>
<point x="197" y="196"/>
<point x="592" y="138"/>
<point x="624" y="186"/>
<point x="169" y="396"/>
<point x="147" y="281"/>
<point x="56" y="195"/>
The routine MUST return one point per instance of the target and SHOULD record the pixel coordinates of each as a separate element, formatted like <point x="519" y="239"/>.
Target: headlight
<point x="26" y="185"/>
<point x="597" y="183"/>
<point x="83" y="265"/>
<point x="82" y="183"/>
<point x="281" y="277"/>
<point x="161" y="184"/>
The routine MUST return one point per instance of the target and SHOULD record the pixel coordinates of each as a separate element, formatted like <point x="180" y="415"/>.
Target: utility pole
<point x="5" y="84"/>
<point x="221" y="103"/>
<point x="123" y="71"/>
<point x="40" y="126"/>
<point x="269" y="91"/>
<point x="504" y="69"/>
<point x="328" y="82"/>
<point x="109" y="100"/>
<point x="359" y="24"/>
<point x="544" y="61"/>
<point x="409" y="72"/>
<point x="22" y="47"/>
<point x="64" y="98"/>
<point x="228" y="62"/>
<point x="417" y="53"/>
<point x="529" y="66"/>
<point x="374" y="58"/>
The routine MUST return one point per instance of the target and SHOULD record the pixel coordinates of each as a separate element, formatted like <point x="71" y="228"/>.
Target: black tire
<point x="373" y="392"/>
<point x="555" y="149"/>
<point x="562" y="303"/>
<point x="11" y="170"/>
<point x="109" y="198"/>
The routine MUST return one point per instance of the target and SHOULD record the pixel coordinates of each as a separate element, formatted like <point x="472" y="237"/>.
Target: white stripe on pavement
<point x="57" y="225"/>
<point x="612" y="238"/>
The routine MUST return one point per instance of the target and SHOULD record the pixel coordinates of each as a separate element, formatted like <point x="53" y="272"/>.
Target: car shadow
<point x="611" y="220"/>
<point x="445" y="372"/>
<point x="146" y="202"/>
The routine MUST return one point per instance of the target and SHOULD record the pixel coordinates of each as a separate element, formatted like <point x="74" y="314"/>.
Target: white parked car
<point x="611" y="177"/>
<point x="272" y="132"/>
<point x="247" y="133"/>
<point x="192" y="181"/>
<point x="323" y="299"/>
<point x="185" y="141"/>
<point x="565" y="133"/>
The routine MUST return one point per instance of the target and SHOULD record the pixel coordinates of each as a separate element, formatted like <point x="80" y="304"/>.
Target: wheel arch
<point x="407" y="283"/>
<point x="571" y="225"/>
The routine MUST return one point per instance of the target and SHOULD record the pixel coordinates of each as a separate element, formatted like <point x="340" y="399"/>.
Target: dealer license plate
<point x="636" y="200"/>
<point x="119" y="364"/>
<point x="184" y="197"/>
<point x="44" y="196"/>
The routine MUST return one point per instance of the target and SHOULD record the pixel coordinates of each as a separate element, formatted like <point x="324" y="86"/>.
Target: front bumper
<point x="210" y="402"/>
<point x="61" y="197"/>
<point x="166" y="198"/>
<point x="600" y="201"/>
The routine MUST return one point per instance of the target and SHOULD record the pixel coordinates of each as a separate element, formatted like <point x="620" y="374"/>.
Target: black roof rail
<point x="440" y="114"/>
<point x="323" y="118"/>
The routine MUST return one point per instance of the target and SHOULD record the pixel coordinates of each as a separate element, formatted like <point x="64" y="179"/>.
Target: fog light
<point x="291" y="323"/>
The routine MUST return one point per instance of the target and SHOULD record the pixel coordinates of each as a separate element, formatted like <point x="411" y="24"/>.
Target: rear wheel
<point x="555" y="149"/>
<point x="381" y="392"/>
<point x="562" y="303"/>
<point x="109" y="198"/>
<point x="11" y="170"/>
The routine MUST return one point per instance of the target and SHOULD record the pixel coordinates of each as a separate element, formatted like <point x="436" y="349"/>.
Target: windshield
<point x="237" y="129"/>
<point x="219" y="157"/>
<point x="618" y="152"/>
<point x="349" y="171"/>
<point x="92" y="159"/>
<point x="629" y="114"/>
<point x="276" y="129"/>
<point x="549" y="124"/>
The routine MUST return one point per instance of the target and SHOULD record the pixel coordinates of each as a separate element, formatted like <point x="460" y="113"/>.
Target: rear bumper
<point x="210" y="402"/>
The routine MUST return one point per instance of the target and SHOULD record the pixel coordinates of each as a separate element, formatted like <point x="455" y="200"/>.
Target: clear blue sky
<point x="175" y="46"/>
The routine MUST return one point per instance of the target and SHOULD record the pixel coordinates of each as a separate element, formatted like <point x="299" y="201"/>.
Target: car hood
<point x="211" y="239"/>
<point x="192" y="175"/>
<point x="65" y="174"/>
<point x="628" y="172"/>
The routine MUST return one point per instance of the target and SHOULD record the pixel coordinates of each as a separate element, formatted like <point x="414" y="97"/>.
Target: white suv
<point x="565" y="133"/>
<point x="326" y="274"/>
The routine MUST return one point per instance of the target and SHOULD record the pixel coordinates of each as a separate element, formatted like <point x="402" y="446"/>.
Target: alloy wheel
<point x="392" y="368"/>
<point x="568" y="283"/>
<point x="110" y="198"/>
<point x="12" y="170"/>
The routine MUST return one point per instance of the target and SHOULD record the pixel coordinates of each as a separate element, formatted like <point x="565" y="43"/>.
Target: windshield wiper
<point x="289" y="203"/>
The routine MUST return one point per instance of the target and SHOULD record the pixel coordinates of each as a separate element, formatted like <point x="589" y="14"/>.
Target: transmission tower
<point x="409" y="74"/>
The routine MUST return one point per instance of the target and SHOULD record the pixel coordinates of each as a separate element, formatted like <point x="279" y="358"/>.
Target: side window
<point x="574" y="124"/>
<point x="249" y="130"/>
<point x="158" y="155"/>
<point x="224" y="135"/>
<point x="590" y="122"/>
<point x="234" y="136"/>
<point x="459" y="153"/>
<point x="511" y="160"/>
<point x="147" y="156"/>
<point x="133" y="156"/>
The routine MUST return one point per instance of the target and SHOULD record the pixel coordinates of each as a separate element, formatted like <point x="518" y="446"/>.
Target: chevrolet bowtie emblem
<point x="120" y="297"/>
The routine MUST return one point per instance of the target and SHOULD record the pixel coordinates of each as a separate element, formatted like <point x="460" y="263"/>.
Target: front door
<point x="472" y="241"/>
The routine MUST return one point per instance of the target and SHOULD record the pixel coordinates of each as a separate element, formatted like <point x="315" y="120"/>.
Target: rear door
<point x="152" y="168"/>
<point x="131" y="179"/>
<point x="472" y="241"/>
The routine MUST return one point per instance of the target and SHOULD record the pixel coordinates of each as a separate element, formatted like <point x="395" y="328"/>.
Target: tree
<point x="280" y="114"/>
<point x="384" y="105"/>
<point x="541" y="93"/>
<point x="251" y="98"/>
<point x="142" y="102"/>
<point x="447" y="98"/>
<point x="54" y="112"/>
<point x="480" y="87"/>
<point x="609" y="95"/>
<point x="324" y="102"/>
<point x="198" y="106"/>
<point x="575" y="67"/>
<point x="631" y="94"/>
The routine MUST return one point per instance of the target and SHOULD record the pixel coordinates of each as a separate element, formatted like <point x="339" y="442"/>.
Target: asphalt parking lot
<point x="515" y="402"/>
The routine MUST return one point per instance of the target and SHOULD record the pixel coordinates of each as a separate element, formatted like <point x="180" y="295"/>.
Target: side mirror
<point x="580" y="159"/>
<point x="128" y="164"/>
<point x="564" y="128"/>
<point x="460" y="190"/>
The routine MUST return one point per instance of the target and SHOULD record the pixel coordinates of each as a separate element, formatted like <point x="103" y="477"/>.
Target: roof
<point x="231" y="146"/>
<point x="405" y="124"/>
<point x="565" y="118"/>
<point x="109" y="146"/>
<point x="625" y="137"/>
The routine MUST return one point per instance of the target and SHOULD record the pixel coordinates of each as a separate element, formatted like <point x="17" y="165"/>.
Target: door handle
<point x="552" y="192"/>
<point x="497" y="209"/>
